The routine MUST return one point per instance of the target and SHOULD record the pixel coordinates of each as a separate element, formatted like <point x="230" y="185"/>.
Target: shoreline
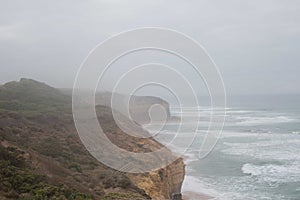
<point x="189" y="195"/>
<point x="193" y="189"/>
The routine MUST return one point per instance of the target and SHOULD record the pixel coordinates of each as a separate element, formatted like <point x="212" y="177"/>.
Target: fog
<point x="255" y="43"/>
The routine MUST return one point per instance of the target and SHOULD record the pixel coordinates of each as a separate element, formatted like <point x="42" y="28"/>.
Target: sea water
<point x="257" y="155"/>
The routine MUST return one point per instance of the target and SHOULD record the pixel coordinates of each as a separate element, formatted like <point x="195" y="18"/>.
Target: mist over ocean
<point x="78" y="78"/>
<point x="257" y="155"/>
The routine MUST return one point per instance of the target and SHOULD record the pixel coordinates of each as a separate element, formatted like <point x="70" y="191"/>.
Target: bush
<point x="50" y="147"/>
<point x="16" y="180"/>
<point x="119" y="196"/>
<point x="75" y="167"/>
<point x="115" y="180"/>
<point x="12" y="155"/>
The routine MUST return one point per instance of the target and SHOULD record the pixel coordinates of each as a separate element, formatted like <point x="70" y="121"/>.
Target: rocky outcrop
<point x="164" y="183"/>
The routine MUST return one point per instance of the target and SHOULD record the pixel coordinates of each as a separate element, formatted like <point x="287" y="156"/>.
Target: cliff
<point x="138" y="105"/>
<point x="36" y="121"/>
<point x="162" y="184"/>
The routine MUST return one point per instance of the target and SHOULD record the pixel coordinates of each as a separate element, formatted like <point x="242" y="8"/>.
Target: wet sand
<point x="195" y="196"/>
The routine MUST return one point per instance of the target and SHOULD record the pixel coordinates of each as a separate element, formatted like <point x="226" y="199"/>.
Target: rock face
<point x="37" y="119"/>
<point x="162" y="184"/>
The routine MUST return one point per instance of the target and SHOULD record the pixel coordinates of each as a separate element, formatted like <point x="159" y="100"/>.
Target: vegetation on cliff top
<point x="17" y="181"/>
<point x="41" y="154"/>
<point x="29" y="95"/>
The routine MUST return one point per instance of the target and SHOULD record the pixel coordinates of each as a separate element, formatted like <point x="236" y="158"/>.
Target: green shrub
<point x="50" y="147"/>
<point x="18" y="182"/>
<point x="75" y="167"/>
<point x="119" y="196"/>
<point x="115" y="180"/>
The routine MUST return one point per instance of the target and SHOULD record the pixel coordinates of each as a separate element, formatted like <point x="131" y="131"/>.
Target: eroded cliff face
<point x="161" y="184"/>
<point x="37" y="119"/>
<point x="164" y="183"/>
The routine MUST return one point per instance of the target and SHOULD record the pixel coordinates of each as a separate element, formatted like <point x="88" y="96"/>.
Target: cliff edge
<point x="36" y="126"/>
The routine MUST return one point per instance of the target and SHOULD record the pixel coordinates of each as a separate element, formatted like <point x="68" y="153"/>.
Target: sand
<point x="195" y="196"/>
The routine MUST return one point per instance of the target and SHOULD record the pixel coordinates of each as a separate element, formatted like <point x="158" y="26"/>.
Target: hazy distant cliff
<point x="138" y="105"/>
<point x="36" y="120"/>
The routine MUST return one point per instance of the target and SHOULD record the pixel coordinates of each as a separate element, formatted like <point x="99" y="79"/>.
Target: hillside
<point x="36" y="126"/>
<point x="31" y="95"/>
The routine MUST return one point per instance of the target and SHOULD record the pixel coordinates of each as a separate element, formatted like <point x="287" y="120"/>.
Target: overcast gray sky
<point x="254" y="43"/>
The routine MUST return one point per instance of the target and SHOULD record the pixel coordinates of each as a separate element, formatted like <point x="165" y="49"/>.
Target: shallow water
<point x="256" y="157"/>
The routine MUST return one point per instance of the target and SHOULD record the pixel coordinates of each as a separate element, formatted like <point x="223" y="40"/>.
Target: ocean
<point x="257" y="155"/>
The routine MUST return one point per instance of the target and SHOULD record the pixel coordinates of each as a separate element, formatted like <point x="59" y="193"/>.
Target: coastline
<point x="189" y="195"/>
<point x="192" y="189"/>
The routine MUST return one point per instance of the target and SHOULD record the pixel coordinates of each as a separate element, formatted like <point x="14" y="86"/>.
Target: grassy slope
<point x="36" y="120"/>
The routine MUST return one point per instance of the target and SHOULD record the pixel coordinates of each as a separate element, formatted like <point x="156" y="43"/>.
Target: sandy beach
<point x="188" y="195"/>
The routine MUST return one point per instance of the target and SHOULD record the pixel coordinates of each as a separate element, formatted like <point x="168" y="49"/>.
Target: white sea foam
<point x="205" y="185"/>
<point x="194" y="112"/>
<point x="195" y="108"/>
<point x="233" y="134"/>
<point x="190" y="157"/>
<point x="241" y="111"/>
<point x="267" y="148"/>
<point x="257" y="120"/>
<point x="279" y="153"/>
<point x="273" y="173"/>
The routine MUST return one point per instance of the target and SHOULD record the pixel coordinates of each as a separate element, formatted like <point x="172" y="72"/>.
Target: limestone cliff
<point x="161" y="184"/>
<point x="37" y="119"/>
<point x="164" y="183"/>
